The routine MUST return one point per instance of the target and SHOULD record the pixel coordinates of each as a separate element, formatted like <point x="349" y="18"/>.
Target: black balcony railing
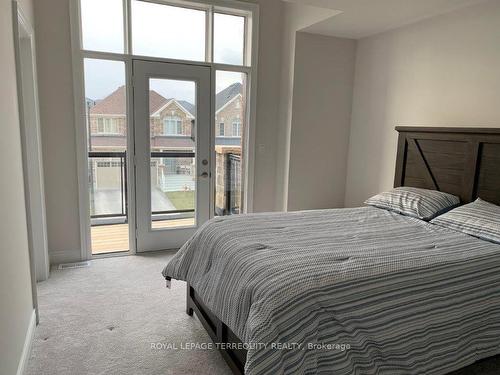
<point x="108" y="184"/>
<point x="233" y="184"/>
<point x="179" y="163"/>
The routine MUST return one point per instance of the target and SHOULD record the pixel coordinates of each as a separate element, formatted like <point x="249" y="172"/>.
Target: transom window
<point x="172" y="125"/>
<point x="168" y="31"/>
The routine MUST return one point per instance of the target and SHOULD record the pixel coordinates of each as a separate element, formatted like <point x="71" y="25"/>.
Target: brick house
<point x="169" y="118"/>
<point x="171" y="123"/>
<point x="229" y="116"/>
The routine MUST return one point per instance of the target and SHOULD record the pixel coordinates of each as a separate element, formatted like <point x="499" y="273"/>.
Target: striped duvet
<point x="401" y="295"/>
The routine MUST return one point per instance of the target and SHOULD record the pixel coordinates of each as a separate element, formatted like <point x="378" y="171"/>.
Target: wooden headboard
<point x="461" y="161"/>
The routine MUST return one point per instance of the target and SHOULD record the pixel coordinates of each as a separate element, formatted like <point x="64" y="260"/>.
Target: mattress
<point x="347" y="291"/>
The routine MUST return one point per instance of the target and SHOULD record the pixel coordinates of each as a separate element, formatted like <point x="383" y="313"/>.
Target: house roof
<point x="188" y="107"/>
<point x="185" y="106"/>
<point x="226" y="95"/>
<point x="115" y="103"/>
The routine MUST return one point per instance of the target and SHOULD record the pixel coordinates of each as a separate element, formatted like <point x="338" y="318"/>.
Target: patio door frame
<point x="147" y="238"/>
<point x="250" y="68"/>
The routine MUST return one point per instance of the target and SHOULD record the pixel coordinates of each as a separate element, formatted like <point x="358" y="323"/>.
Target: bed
<point x="356" y="291"/>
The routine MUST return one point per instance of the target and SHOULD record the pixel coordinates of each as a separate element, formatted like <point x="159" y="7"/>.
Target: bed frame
<point x="461" y="161"/>
<point x="218" y="332"/>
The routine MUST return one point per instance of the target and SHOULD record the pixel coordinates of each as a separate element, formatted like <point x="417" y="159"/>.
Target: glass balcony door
<point x="172" y="152"/>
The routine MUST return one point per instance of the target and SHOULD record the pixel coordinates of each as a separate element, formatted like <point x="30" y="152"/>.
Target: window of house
<point x="236" y="128"/>
<point x="103" y="164"/>
<point x="100" y="125"/>
<point x="108" y="164"/>
<point x="172" y="126"/>
<point x="170" y="165"/>
<point x="221" y="129"/>
<point x="110" y="126"/>
<point x="107" y="126"/>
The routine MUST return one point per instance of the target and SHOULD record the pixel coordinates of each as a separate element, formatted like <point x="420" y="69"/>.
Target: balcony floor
<point x="109" y="238"/>
<point x="114" y="238"/>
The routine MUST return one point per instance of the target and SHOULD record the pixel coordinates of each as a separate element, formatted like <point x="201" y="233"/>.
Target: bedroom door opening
<point x="172" y="152"/>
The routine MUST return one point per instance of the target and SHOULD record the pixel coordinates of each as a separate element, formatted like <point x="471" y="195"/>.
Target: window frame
<point x="177" y="124"/>
<point x="100" y="125"/>
<point x="236" y="123"/>
<point x="123" y="41"/>
<point x="249" y="11"/>
<point x="107" y="126"/>
<point x="250" y="67"/>
<point x="245" y="61"/>
<point x="177" y="4"/>
<point x="222" y="129"/>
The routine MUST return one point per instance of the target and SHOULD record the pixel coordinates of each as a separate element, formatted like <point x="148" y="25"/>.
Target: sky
<point x="102" y="77"/>
<point x="160" y="31"/>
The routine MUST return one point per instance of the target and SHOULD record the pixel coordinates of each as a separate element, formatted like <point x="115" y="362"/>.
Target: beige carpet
<point x="104" y="318"/>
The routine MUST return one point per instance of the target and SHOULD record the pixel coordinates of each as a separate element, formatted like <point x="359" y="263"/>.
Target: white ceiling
<point x="361" y="18"/>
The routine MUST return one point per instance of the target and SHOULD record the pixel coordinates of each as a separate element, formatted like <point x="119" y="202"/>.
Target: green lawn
<point x="182" y="200"/>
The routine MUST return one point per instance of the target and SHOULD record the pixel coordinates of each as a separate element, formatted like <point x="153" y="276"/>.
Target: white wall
<point x="55" y="85"/>
<point x="296" y="17"/>
<point x="16" y="307"/>
<point x="444" y="71"/>
<point x="321" y="116"/>
<point x="58" y="129"/>
<point x="268" y="92"/>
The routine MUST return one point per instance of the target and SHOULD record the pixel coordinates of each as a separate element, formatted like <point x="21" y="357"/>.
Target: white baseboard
<point x="28" y="342"/>
<point x="65" y="256"/>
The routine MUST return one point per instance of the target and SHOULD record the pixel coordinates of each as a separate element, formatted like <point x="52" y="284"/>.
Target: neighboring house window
<point x="236" y="128"/>
<point x="221" y="129"/>
<point x="107" y="164"/>
<point x="172" y="126"/>
<point x="100" y="125"/>
<point x="107" y="126"/>
<point x="170" y="165"/>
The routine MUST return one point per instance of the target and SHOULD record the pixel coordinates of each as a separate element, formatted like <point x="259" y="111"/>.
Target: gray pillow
<point x="420" y="203"/>
<point x="480" y="219"/>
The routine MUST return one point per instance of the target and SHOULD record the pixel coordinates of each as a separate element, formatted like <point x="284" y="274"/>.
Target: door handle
<point x="204" y="175"/>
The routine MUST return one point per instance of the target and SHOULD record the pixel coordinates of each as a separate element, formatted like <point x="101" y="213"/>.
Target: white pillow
<point x="420" y="203"/>
<point x="480" y="219"/>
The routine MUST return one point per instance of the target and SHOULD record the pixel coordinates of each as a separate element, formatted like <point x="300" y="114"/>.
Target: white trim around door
<point x="251" y="12"/>
<point x="26" y="76"/>
<point x="167" y="231"/>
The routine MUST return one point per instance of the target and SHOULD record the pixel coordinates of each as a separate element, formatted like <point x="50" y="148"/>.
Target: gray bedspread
<point x="350" y="291"/>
